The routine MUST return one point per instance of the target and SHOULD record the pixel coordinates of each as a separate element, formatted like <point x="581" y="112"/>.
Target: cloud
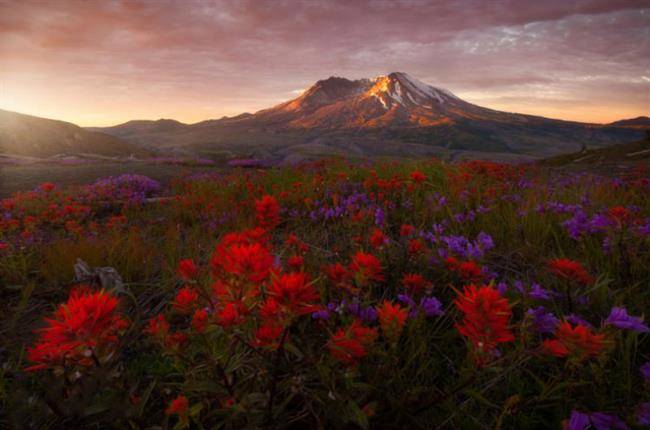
<point x="152" y="59"/>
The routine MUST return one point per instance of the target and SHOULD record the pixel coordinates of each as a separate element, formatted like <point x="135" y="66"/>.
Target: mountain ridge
<point x="393" y="114"/>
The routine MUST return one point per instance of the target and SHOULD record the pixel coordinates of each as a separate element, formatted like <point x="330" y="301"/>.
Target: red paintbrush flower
<point x="485" y="317"/>
<point x="415" y="247"/>
<point x="466" y="270"/>
<point x="349" y="345"/>
<point x="186" y="300"/>
<point x="187" y="270"/>
<point x="81" y="331"/>
<point x="570" y="270"/>
<point x="406" y="230"/>
<point x="620" y="214"/>
<point x="295" y="292"/>
<point x="417" y="177"/>
<point x="178" y="406"/>
<point x="391" y="319"/>
<point x="414" y="283"/>
<point x="267" y="212"/>
<point x="268" y="335"/>
<point x="579" y="342"/>
<point x="249" y="261"/>
<point x="378" y="238"/>
<point x="229" y="316"/>
<point x="296" y="262"/>
<point x="366" y="268"/>
<point x="200" y="320"/>
<point x="157" y="327"/>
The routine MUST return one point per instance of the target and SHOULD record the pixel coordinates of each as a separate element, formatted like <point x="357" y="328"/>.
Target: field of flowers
<point x="329" y="295"/>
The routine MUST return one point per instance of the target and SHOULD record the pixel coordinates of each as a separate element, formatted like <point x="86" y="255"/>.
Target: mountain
<point x="392" y="115"/>
<point x="25" y="135"/>
<point x="641" y="122"/>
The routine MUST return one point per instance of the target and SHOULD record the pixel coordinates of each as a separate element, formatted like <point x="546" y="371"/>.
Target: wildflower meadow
<point x="330" y="294"/>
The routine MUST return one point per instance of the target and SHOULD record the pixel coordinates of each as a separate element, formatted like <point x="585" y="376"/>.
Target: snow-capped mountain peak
<point x="398" y="88"/>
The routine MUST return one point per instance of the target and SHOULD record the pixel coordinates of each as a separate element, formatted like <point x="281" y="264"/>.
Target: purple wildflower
<point x="502" y="287"/>
<point x="545" y="322"/>
<point x="603" y="421"/>
<point x="578" y="421"/>
<point x="539" y="293"/>
<point x="431" y="306"/>
<point x="620" y="318"/>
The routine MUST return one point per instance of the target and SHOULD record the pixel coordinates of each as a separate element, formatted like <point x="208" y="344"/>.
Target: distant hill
<point x="621" y="155"/>
<point x="25" y="135"/>
<point x="393" y="115"/>
<point x="641" y="122"/>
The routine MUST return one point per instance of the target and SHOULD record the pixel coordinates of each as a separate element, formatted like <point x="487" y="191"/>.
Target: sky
<point x="99" y="63"/>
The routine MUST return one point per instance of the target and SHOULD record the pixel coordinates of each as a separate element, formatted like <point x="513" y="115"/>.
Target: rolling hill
<point x="30" y="136"/>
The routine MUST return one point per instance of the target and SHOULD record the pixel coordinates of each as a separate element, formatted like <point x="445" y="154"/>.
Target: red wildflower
<point x="185" y="300"/>
<point x="267" y="212"/>
<point x="485" y="317"/>
<point x="187" y="270"/>
<point x="414" y="283"/>
<point x="157" y="327"/>
<point x="295" y="292"/>
<point x="578" y="341"/>
<point x="251" y="261"/>
<point x="415" y="247"/>
<point x="406" y="230"/>
<point x="391" y="319"/>
<point x="349" y="345"/>
<point x="569" y="270"/>
<point x="417" y="177"/>
<point x="229" y="316"/>
<point x="271" y="309"/>
<point x="178" y="406"/>
<point x="176" y="341"/>
<point x="47" y="187"/>
<point x="466" y="270"/>
<point x="378" y="238"/>
<point x="268" y="335"/>
<point x="200" y="320"/>
<point x="366" y="267"/>
<point x="295" y="262"/>
<point x="87" y="325"/>
<point x="620" y="214"/>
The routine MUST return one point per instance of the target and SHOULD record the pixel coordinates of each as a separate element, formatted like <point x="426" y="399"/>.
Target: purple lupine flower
<point x="519" y="286"/>
<point x="539" y="293"/>
<point x="620" y="318"/>
<point x="576" y="319"/>
<point x="645" y="371"/>
<point x="380" y="217"/>
<point x="643" y="414"/>
<point x="431" y="306"/>
<point x="484" y="241"/>
<point x="502" y="287"/>
<point x="597" y="420"/>
<point x="603" y="421"/>
<point x="578" y="421"/>
<point x="545" y="322"/>
<point x="368" y="314"/>
<point x="322" y="314"/>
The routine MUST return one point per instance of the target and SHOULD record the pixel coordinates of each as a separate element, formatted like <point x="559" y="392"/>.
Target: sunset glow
<point x="102" y="63"/>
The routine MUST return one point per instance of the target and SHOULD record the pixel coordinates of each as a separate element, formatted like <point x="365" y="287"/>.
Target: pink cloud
<point x="165" y="58"/>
